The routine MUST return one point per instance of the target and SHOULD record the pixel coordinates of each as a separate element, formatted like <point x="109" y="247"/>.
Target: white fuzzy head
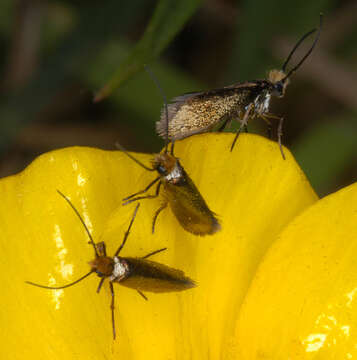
<point x="175" y="175"/>
<point x="120" y="269"/>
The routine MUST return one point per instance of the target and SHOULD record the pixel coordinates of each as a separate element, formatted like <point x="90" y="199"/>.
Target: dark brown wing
<point x="199" y="112"/>
<point x="146" y="275"/>
<point x="190" y="208"/>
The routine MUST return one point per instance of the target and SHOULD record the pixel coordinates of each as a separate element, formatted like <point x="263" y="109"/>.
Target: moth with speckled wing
<point x="200" y="112"/>
<point x="137" y="273"/>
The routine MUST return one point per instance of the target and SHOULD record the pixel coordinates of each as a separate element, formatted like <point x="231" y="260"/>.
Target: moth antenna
<point x="128" y="231"/>
<point x="156" y="81"/>
<point x="307" y="54"/>
<point x="82" y="221"/>
<point x="295" y="48"/>
<point x="121" y="148"/>
<point x="153" y="253"/>
<point x="60" y="287"/>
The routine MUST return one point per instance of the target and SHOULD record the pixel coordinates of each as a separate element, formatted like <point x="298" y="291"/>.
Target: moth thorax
<point x="262" y="103"/>
<point x="102" y="265"/>
<point x="121" y="269"/>
<point x="176" y="174"/>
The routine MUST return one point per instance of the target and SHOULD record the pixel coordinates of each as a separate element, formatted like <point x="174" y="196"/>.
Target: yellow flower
<point x="303" y="301"/>
<point x="254" y="192"/>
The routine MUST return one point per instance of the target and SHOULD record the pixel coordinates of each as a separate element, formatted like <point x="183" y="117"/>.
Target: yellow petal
<point x="254" y="192"/>
<point x="302" y="303"/>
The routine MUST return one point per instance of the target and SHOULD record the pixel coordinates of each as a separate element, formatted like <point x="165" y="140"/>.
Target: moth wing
<point x="151" y="276"/>
<point x="172" y="108"/>
<point x="190" y="208"/>
<point x="199" y="112"/>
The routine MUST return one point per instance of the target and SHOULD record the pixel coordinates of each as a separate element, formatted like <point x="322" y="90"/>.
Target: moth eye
<point x="99" y="274"/>
<point x="161" y="170"/>
<point x="279" y="89"/>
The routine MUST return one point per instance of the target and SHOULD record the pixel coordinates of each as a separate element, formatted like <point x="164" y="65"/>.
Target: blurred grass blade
<point x="95" y="22"/>
<point x="168" y="19"/>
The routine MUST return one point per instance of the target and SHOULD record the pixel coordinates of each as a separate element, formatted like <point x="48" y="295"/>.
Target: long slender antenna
<point x="60" y="287"/>
<point x="295" y="47"/>
<point x="153" y="253"/>
<point x="153" y="77"/>
<point x="121" y="148"/>
<point x="82" y="221"/>
<point x="308" y="53"/>
<point x="128" y="231"/>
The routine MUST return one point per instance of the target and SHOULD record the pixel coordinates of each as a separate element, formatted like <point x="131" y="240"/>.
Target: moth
<point x="137" y="273"/>
<point x="199" y="112"/>
<point x="179" y="192"/>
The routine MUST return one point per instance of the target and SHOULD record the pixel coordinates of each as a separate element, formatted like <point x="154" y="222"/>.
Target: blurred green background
<point x="57" y="55"/>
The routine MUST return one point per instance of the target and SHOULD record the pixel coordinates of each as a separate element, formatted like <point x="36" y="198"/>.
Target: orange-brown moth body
<point x="181" y="194"/>
<point x="137" y="273"/>
<point x="142" y="274"/>
<point x="184" y="199"/>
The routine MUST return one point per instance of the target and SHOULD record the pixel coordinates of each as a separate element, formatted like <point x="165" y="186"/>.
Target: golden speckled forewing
<point x="190" y="208"/>
<point x="146" y="275"/>
<point x="199" y="112"/>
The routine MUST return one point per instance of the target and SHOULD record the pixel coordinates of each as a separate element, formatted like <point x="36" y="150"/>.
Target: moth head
<point x="164" y="163"/>
<point x="102" y="265"/>
<point x="279" y="82"/>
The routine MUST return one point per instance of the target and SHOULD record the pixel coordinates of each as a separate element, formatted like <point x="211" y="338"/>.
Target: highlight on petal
<point x="252" y="189"/>
<point x="302" y="303"/>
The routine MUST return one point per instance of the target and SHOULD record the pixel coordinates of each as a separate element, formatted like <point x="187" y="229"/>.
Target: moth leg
<point x="172" y="147"/>
<point x="265" y="118"/>
<point x="271" y="116"/>
<point x="280" y="129"/>
<point x="226" y="123"/>
<point x="243" y="124"/>
<point x="280" y="134"/>
<point x="153" y="253"/>
<point x="158" y="211"/>
<point x="142" y="294"/>
<point x="100" y="285"/>
<point x="112" y="308"/>
<point x="246" y="125"/>
<point x="157" y="191"/>
<point x="142" y="191"/>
